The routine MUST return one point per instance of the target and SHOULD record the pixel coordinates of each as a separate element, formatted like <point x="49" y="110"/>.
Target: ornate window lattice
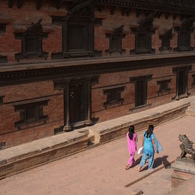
<point x="115" y="40"/>
<point x="77" y="31"/>
<point x="184" y="35"/>
<point x="31" y="112"/>
<point x="166" y="38"/>
<point x="32" y="42"/>
<point x="113" y="96"/>
<point x="163" y="86"/>
<point x="143" y="36"/>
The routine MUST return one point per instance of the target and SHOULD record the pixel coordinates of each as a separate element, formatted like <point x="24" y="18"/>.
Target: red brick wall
<point x="28" y="14"/>
<point x="9" y="46"/>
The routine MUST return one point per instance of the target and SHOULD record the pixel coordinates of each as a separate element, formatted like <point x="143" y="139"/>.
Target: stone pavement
<point x="100" y="170"/>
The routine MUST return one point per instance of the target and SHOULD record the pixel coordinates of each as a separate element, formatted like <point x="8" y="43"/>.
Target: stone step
<point x="192" y="103"/>
<point x="190" y="111"/>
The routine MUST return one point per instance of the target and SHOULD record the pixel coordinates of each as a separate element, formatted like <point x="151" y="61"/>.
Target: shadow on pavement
<point x="157" y="162"/>
<point x="161" y="160"/>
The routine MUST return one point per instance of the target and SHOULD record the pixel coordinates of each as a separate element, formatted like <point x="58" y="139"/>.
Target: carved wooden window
<point x="193" y="83"/>
<point x="77" y="31"/>
<point x="184" y="35"/>
<point x="164" y="86"/>
<point x="32" y="42"/>
<point x="2" y="28"/>
<point x="1" y="100"/>
<point x="184" y="41"/>
<point x="166" y="38"/>
<point x="3" y="59"/>
<point x="143" y="36"/>
<point x="78" y="35"/>
<point x="141" y="85"/>
<point x="113" y="96"/>
<point x="115" y="40"/>
<point x="31" y="112"/>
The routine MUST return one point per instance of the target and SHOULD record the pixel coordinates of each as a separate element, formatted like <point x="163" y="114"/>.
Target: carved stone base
<point x="183" y="170"/>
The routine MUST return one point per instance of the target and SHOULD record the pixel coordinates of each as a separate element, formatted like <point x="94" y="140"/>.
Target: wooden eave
<point x="64" y="69"/>
<point x="144" y="6"/>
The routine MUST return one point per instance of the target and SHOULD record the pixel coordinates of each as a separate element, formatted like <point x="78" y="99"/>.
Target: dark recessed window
<point x="32" y="42"/>
<point x="77" y="31"/>
<point x="31" y="113"/>
<point x="193" y="78"/>
<point x="115" y="40"/>
<point x="1" y="100"/>
<point x="113" y="96"/>
<point x="141" y="88"/>
<point x="2" y="28"/>
<point x="163" y="86"/>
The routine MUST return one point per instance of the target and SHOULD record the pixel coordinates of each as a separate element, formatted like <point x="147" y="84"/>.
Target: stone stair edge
<point x="36" y="147"/>
<point x="136" y="121"/>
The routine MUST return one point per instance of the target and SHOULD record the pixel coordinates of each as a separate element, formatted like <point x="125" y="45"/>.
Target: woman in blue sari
<point x="149" y="144"/>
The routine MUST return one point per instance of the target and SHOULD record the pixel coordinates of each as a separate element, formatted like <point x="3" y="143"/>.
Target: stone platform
<point x="27" y="156"/>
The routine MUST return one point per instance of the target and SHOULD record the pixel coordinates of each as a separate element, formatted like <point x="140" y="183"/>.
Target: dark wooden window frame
<point x="145" y="79"/>
<point x="116" y="35"/>
<point x="193" y="83"/>
<point x="176" y="70"/>
<point x="32" y="37"/>
<point x="2" y="28"/>
<point x="113" y="95"/>
<point x="187" y="28"/>
<point x="163" y="86"/>
<point x="73" y="18"/>
<point x="3" y="59"/>
<point x="1" y="100"/>
<point x="145" y="28"/>
<point x="165" y="40"/>
<point x="31" y="112"/>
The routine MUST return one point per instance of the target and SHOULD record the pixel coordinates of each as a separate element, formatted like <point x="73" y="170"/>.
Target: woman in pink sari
<point x="132" y="146"/>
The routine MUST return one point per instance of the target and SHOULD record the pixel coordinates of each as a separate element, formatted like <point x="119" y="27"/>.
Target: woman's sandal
<point x="139" y="169"/>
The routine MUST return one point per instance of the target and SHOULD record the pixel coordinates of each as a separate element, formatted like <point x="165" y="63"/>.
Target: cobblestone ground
<point x="100" y="170"/>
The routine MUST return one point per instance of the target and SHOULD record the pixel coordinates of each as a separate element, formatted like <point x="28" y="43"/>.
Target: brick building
<point x="69" y="63"/>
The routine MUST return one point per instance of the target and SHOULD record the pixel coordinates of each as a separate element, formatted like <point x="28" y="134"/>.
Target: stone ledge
<point x="27" y="156"/>
<point x="107" y="131"/>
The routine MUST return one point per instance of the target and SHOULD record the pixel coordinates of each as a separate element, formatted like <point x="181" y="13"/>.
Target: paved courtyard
<point x="101" y="170"/>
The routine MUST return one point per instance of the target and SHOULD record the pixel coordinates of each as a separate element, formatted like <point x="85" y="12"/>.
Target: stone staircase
<point x="191" y="109"/>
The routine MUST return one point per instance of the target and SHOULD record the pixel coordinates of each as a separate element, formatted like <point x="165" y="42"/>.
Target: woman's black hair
<point x="149" y="132"/>
<point x="131" y="132"/>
